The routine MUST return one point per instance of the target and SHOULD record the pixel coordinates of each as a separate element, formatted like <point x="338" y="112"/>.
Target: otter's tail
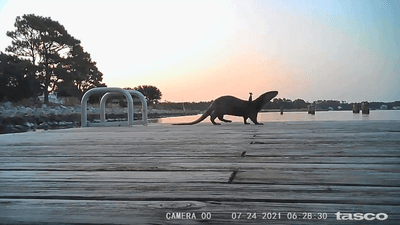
<point x="202" y="117"/>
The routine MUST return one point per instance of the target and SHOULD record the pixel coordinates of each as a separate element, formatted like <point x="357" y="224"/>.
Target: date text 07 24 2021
<point x="279" y="216"/>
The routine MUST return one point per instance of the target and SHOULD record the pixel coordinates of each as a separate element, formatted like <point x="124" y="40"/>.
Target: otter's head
<point x="264" y="99"/>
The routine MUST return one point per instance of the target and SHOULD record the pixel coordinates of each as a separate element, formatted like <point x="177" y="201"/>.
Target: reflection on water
<point x="296" y="116"/>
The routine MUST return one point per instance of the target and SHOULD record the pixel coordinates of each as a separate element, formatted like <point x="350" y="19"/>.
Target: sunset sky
<point x="199" y="50"/>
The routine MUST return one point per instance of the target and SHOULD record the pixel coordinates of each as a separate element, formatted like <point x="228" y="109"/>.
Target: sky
<point x="199" y="50"/>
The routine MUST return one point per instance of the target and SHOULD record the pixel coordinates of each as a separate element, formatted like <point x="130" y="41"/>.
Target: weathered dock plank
<point x="139" y="174"/>
<point x="175" y="163"/>
<point x="212" y="190"/>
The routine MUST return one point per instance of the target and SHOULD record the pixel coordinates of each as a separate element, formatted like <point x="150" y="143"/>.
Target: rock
<point x="19" y="113"/>
<point x="11" y="129"/>
<point x="61" y="110"/>
<point x="67" y="111"/>
<point x="63" y="123"/>
<point x="39" y="112"/>
<point x="29" y="124"/>
<point x="53" y="124"/>
<point x="51" y="117"/>
<point x="53" y="112"/>
<point x="39" y="119"/>
<point x="19" y="120"/>
<point x="2" y="129"/>
<point x="33" y="113"/>
<point x="9" y="112"/>
<point x="73" y="117"/>
<point x="6" y="120"/>
<point x="29" y="111"/>
<point x="44" y="126"/>
<point x="91" y="109"/>
<point x="22" y="128"/>
<point x="7" y="105"/>
<point x="77" y="109"/>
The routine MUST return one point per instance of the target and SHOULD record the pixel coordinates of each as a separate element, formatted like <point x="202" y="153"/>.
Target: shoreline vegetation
<point x="26" y="116"/>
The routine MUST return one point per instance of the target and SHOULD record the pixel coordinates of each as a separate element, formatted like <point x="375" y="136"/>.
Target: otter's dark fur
<point x="229" y="105"/>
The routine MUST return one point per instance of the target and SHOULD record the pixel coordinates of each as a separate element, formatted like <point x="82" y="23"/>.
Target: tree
<point x="279" y="102"/>
<point x="17" y="80"/>
<point x="58" y="56"/>
<point x="79" y="72"/>
<point x="152" y="94"/>
<point x="326" y="104"/>
<point x="299" y="104"/>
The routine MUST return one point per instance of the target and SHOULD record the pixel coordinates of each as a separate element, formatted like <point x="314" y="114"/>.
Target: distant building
<point x="384" y="107"/>
<point x="52" y="98"/>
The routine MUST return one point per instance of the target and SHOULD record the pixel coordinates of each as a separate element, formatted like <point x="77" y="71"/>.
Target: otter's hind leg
<point x="221" y="117"/>
<point x="213" y="116"/>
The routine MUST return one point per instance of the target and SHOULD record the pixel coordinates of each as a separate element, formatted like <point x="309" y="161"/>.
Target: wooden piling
<point x="311" y="109"/>
<point x="365" y="107"/>
<point x="356" y="108"/>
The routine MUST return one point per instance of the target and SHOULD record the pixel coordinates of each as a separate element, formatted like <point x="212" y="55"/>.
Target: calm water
<point x="298" y="116"/>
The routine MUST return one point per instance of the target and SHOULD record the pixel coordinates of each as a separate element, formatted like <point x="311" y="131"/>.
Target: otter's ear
<point x="270" y="95"/>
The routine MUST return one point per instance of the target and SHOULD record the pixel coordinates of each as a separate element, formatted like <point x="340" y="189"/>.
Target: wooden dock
<point x="278" y="173"/>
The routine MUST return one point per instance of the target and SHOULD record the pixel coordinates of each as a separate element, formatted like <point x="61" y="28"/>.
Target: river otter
<point x="229" y="105"/>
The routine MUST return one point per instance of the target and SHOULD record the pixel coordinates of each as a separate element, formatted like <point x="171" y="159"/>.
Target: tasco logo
<point x="361" y="216"/>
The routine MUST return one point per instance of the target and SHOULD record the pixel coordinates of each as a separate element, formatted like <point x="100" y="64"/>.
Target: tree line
<point x="43" y="57"/>
<point x="277" y="103"/>
<point x="324" y="104"/>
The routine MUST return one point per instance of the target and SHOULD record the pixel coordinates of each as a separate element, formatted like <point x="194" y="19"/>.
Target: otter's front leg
<point x="254" y="119"/>
<point x="245" y="120"/>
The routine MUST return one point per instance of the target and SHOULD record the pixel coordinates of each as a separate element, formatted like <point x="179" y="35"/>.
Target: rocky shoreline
<point x="16" y="119"/>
